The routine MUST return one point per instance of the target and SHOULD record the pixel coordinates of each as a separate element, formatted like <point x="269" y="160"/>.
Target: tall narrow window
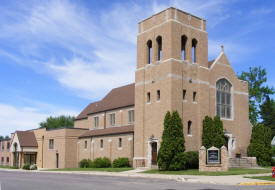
<point x="3" y="146"/>
<point x="149" y="46"/>
<point x="8" y="160"/>
<point x="184" y="94"/>
<point x="131" y="116"/>
<point x="158" y="95"/>
<point x="85" y="145"/>
<point x="183" y="47"/>
<point x="120" y="142"/>
<point x="159" y="42"/>
<point x="194" y="50"/>
<point x="51" y="144"/>
<point x="112" y="119"/>
<point x="148" y="97"/>
<point x="194" y="96"/>
<point x="96" y="122"/>
<point x="189" y="127"/>
<point x="223" y="98"/>
<point x="101" y="143"/>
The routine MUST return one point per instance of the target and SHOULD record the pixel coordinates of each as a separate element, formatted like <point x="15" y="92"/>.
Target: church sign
<point x="213" y="155"/>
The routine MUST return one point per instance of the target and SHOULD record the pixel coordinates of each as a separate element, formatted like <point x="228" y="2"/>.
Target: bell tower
<point x="172" y="57"/>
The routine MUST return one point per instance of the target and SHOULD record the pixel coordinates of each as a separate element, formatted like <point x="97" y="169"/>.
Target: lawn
<point x="231" y="171"/>
<point x="93" y="169"/>
<point x="8" y="167"/>
<point x="267" y="178"/>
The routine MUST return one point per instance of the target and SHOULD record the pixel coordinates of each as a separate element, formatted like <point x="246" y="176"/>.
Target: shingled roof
<point x="27" y="139"/>
<point x="117" y="98"/>
<point x="108" y="131"/>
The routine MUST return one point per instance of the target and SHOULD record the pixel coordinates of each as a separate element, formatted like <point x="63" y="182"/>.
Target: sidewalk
<point x="221" y="180"/>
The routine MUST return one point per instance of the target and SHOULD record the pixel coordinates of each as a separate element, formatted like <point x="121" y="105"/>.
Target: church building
<point x="173" y="73"/>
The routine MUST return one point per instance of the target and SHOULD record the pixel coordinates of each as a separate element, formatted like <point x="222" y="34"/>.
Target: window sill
<point x="189" y="135"/>
<point x="184" y="101"/>
<point x="119" y="148"/>
<point x="194" y="102"/>
<point x="148" y="102"/>
<point x="101" y="149"/>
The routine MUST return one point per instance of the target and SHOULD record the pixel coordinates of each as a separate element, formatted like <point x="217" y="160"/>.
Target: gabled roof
<point x="117" y="98"/>
<point x="27" y="139"/>
<point x="108" y="131"/>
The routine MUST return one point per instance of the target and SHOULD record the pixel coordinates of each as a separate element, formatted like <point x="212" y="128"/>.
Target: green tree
<point x="171" y="152"/>
<point x="267" y="112"/>
<point x="1" y="138"/>
<point x="256" y="78"/>
<point x="58" y="122"/>
<point x="260" y="146"/>
<point x="213" y="134"/>
<point x="7" y="137"/>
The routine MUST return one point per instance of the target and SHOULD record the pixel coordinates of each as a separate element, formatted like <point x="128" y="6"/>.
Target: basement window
<point x="158" y="95"/>
<point x="184" y="94"/>
<point x="148" y="97"/>
<point x="194" y="96"/>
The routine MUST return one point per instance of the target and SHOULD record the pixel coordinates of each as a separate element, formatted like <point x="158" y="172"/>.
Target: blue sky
<point x="57" y="56"/>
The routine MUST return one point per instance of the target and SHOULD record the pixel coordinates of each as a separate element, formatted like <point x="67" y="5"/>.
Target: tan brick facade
<point x="5" y="156"/>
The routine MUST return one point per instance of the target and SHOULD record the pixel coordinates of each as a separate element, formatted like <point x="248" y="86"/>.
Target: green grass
<point x="267" y="178"/>
<point x="231" y="171"/>
<point x="9" y="167"/>
<point x="93" y="169"/>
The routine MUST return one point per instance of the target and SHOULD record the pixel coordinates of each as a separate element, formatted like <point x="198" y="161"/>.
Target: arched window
<point x="183" y="47"/>
<point x="223" y="98"/>
<point x="189" y="128"/>
<point x="194" y="50"/>
<point x="149" y="48"/>
<point x="159" y="42"/>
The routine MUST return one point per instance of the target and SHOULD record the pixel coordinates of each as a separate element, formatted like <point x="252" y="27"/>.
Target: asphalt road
<point x="47" y="181"/>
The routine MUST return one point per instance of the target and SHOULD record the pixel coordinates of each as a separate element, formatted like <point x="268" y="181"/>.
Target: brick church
<point x="172" y="73"/>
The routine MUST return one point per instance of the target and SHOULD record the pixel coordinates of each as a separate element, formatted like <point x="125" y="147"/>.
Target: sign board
<point x="213" y="155"/>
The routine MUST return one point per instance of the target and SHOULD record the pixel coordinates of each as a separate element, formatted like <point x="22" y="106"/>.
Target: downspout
<point x="42" y="151"/>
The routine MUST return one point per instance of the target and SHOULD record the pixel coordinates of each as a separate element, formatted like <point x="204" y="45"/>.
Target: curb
<point x="256" y="183"/>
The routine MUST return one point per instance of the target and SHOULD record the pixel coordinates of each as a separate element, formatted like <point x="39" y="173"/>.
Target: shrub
<point x="85" y="163"/>
<point x="170" y="156"/>
<point x="121" y="163"/>
<point x="213" y="134"/>
<point x="192" y="160"/>
<point x="33" y="167"/>
<point x="260" y="145"/>
<point x="26" y="167"/>
<point x="101" y="163"/>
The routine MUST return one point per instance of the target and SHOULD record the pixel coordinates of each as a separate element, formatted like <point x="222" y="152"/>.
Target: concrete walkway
<point x="221" y="180"/>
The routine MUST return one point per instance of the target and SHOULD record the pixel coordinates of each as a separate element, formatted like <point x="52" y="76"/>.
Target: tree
<point x="7" y="137"/>
<point x="212" y="134"/>
<point x="171" y="152"/>
<point x="1" y="138"/>
<point x="58" y="122"/>
<point x="256" y="78"/>
<point x="260" y="146"/>
<point x="267" y="112"/>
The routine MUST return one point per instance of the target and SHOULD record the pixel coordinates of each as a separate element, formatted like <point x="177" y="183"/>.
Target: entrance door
<point x="154" y="153"/>
<point x="57" y="160"/>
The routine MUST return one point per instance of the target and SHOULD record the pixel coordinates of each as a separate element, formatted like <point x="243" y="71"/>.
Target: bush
<point x="33" y="167"/>
<point x="260" y="146"/>
<point x="101" y="163"/>
<point x="170" y="156"/>
<point x="26" y="167"/>
<point x="85" y="163"/>
<point x="121" y="163"/>
<point x="192" y="160"/>
<point x="213" y="134"/>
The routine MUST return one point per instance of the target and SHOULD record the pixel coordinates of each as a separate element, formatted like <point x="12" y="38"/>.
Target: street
<point x="45" y="181"/>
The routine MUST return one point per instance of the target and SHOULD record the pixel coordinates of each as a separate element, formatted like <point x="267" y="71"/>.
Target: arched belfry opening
<point x="149" y="51"/>
<point x="159" y="48"/>
<point x="194" y="50"/>
<point x="183" y="47"/>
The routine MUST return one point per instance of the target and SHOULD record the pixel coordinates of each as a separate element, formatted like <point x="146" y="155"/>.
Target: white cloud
<point x="14" y="118"/>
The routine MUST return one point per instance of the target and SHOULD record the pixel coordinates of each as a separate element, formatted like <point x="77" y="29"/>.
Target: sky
<point x="57" y="56"/>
